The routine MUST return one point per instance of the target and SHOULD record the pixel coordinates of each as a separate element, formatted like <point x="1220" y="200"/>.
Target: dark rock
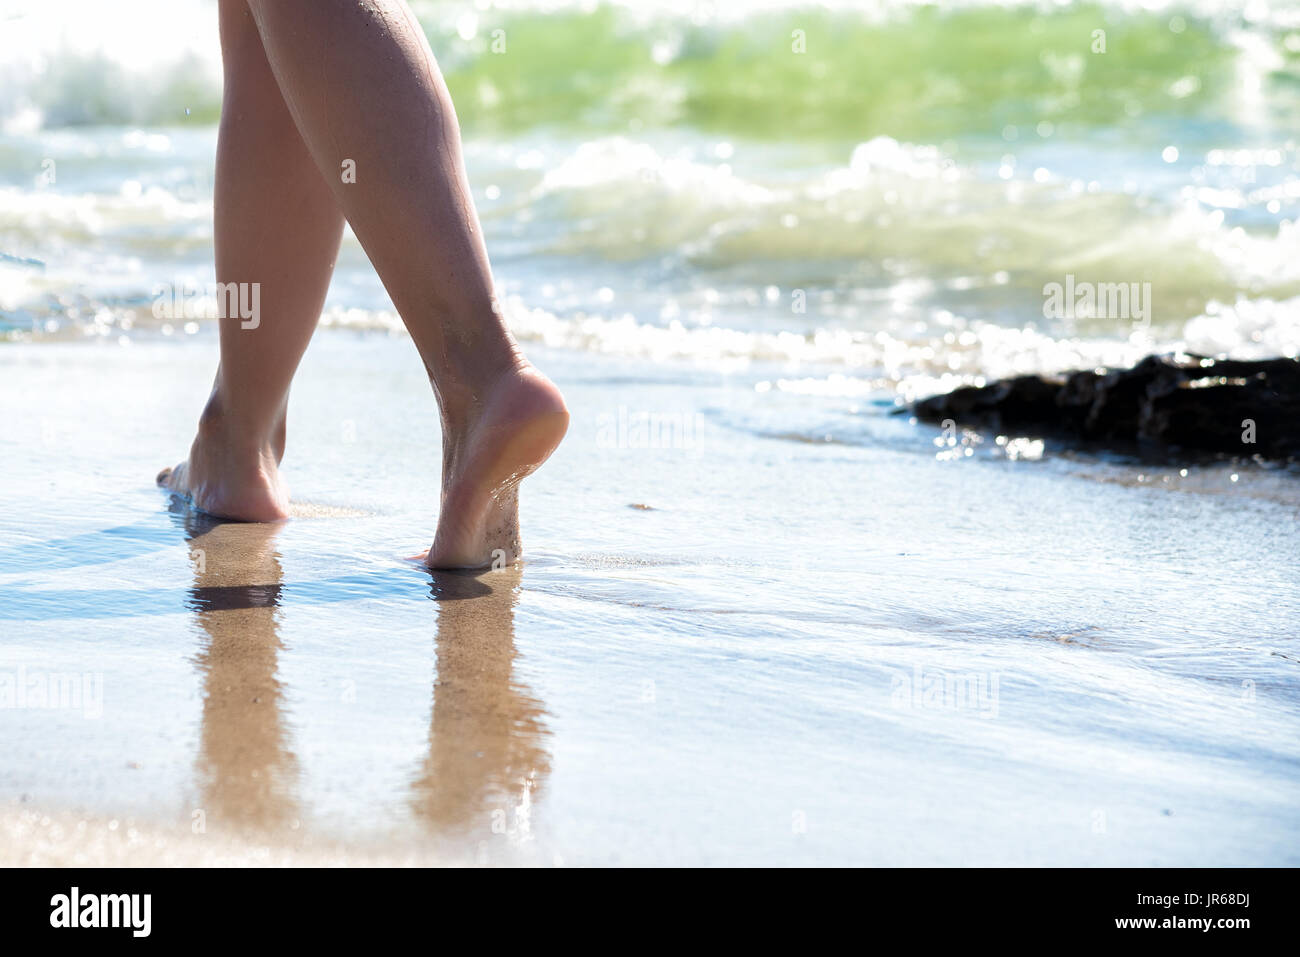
<point x="1025" y="399"/>
<point x="1247" y="407"/>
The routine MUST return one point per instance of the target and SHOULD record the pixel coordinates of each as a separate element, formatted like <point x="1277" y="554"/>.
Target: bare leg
<point x="367" y="95"/>
<point x="276" y="224"/>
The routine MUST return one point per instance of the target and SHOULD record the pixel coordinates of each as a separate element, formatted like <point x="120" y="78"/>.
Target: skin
<point x="310" y="84"/>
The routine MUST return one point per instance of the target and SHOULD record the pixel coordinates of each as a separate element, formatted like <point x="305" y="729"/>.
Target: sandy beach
<point x="762" y="647"/>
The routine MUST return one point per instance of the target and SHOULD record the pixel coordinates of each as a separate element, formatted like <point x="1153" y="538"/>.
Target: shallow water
<point x="801" y="651"/>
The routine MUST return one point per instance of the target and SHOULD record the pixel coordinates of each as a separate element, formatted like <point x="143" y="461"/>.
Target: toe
<point x="173" y="478"/>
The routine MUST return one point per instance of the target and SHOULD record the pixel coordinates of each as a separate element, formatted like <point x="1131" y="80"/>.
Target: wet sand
<point x="744" y="649"/>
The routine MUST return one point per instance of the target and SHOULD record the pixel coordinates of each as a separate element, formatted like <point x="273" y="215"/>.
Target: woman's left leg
<point x="278" y="225"/>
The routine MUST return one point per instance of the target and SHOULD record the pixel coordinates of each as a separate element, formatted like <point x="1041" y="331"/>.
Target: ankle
<point x="464" y="388"/>
<point x="219" y="425"/>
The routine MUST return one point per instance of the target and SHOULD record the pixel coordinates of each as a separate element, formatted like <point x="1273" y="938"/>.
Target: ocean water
<point x="763" y="618"/>
<point x="893" y="199"/>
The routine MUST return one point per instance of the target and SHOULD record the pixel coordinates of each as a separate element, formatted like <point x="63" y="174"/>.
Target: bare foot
<point x="230" y="474"/>
<point x="501" y="442"/>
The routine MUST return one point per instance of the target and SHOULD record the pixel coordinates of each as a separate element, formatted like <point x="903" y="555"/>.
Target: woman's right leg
<point x="369" y="101"/>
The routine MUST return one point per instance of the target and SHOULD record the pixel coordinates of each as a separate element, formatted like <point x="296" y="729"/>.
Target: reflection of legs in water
<point x="367" y="97"/>
<point x="486" y="756"/>
<point x="246" y="774"/>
